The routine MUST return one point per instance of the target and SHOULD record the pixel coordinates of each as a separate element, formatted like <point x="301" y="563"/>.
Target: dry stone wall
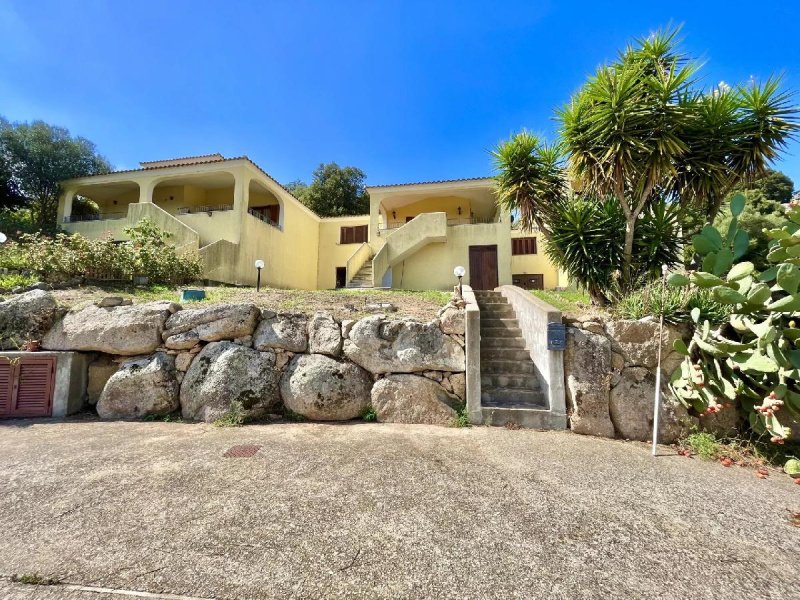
<point x="155" y="358"/>
<point x="610" y="374"/>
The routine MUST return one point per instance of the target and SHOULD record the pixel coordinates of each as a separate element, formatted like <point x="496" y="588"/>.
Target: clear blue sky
<point x="408" y="91"/>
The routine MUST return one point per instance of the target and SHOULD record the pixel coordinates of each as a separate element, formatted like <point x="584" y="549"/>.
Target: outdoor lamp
<point x="259" y="266"/>
<point x="459" y="272"/>
<point x="3" y="238"/>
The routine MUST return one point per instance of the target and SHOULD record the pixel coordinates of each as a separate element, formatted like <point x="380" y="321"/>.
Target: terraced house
<point x="233" y="213"/>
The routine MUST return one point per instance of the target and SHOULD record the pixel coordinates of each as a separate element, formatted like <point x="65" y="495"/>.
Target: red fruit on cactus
<point x="726" y="462"/>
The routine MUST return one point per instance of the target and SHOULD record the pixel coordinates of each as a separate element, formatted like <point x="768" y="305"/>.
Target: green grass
<point x="566" y="301"/>
<point x="750" y="451"/>
<point x="462" y="418"/>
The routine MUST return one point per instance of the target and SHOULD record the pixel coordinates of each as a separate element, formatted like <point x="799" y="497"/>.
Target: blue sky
<point x="407" y="91"/>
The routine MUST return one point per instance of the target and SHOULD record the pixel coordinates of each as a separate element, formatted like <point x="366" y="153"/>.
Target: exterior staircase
<point x="362" y="279"/>
<point x="511" y="390"/>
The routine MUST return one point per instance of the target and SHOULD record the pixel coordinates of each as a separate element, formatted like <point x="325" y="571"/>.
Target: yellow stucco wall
<point x="332" y="254"/>
<point x="449" y="205"/>
<point x="431" y="268"/>
<point x="532" y="264"/>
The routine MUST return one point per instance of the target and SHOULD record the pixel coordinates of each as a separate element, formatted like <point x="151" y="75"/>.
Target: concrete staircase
<point x="511" y="391"/>
<point x="362" y="279"/>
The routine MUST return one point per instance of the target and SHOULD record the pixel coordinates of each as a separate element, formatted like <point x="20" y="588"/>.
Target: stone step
<point x="510" y="380"/>
<point x="504" y="354"/>
<point x="493" y="302"/>
<point x="529" y="418"/>
<point x="513" y="397"/>
<point x="498" y="311"/>
<point x="501" y="342"/>
<point x="500" y="332"/>
<point x="511" y="367"/>
<point x="508" y="323"/>
<point x="487" y="294"/>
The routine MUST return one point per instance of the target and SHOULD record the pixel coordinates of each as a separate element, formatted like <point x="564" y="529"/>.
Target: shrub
<point x="587" y="238"/>
<point x="148" y="254"/>
<point x="752" y="360"/>
<point x="12" y="280"/>
<point x="677" y="304"/>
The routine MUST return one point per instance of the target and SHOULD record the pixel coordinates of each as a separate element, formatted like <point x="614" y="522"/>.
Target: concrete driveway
<point x="381" y="511"/>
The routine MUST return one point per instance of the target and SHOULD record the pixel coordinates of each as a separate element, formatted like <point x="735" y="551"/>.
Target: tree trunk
<point x="627" y="255"/>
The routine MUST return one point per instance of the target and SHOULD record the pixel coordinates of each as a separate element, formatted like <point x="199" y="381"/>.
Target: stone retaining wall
<point x="155" y="358"/>
<point x="609" y="372"/>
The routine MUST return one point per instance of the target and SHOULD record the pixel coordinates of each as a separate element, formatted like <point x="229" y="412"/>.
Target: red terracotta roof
<point x="428" y="182"/>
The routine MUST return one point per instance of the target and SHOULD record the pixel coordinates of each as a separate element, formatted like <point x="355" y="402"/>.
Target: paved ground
<point x="380" y="511"/>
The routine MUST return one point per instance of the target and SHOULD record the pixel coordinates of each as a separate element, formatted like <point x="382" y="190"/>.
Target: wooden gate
<point x="26" y="386"/>
<point x="483" y="267"/>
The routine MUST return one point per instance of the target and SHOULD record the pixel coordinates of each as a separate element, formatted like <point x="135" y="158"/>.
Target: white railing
<point x="357" y="260"/>
<point x="263" y="218"/>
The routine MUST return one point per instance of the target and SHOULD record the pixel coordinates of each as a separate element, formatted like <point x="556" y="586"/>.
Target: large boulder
<point x="227" y="377"/>
<point x="587" y="366"/>
<point x="26" y="317"/>
<point x="99" y="372"/>
<point x="284" y="331"/>
<point x="451" y="319"/>
<point x="126" y="330"/>
<point x="324" y="389"/>
<point x="212" y="323"/>
<point x="324" y="335"/>
<point x="402" y="346"/>
<point x="413" y="399"/>
<point x="141" y="387"/>
<point x="637" y="341"/>
<point x="631" y="407"/>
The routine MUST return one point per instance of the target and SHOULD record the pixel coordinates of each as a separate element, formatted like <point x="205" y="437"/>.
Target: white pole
<point x="657" y="403"/>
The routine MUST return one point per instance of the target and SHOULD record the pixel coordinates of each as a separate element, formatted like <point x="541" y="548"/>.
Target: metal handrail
<point x="96" y="217"/>
<point x="263" y="218"/>
<point x="188" y="210"/>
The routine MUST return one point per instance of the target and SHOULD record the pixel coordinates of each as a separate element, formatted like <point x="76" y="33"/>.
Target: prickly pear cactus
<point x="753" y="361"/>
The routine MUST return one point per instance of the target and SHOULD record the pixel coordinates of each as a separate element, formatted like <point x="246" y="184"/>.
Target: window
<point x="353" y="235"/>
<point x="525" y="245"/>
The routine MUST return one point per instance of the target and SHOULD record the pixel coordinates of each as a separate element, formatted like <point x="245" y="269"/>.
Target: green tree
<point x="775" y="186"/>
<point x="297" y="188"/>
<point x="639" y="129"/>
<point x="335" y="191"/>
<point x="39" y="156"/>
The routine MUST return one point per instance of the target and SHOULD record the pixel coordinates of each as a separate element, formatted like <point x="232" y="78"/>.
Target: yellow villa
<point x="232" y="213"/>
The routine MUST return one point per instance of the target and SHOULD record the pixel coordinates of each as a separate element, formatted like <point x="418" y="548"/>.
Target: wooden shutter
<point x="34" y="387"/>
<point x="360" y="236"/>
<point x="523" y="245"/>
<point x="353" y="235"/>
<point x="5" y="387"/>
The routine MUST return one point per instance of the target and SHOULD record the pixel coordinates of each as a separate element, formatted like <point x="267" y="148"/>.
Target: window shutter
<point x="34" y="387"/>
<point x="5" y="386"/>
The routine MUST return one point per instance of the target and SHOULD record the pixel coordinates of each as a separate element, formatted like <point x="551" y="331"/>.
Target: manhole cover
<point x="244" y="451"/>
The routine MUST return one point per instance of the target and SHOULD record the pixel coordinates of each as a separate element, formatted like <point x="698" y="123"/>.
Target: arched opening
<point x="208" y="193"/>
<point x="102" y="202"/>
<point x="265" y="205"/>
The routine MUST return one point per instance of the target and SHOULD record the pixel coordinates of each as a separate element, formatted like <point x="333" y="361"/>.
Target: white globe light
<point x="3" y="238"/>
<point x="259" y="264"/>
<point x="459" y="271"/>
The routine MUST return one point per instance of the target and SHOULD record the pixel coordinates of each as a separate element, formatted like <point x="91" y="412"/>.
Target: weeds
<point x="235" y="417"/>
<point x="369" y="415"/>
<point x="290" y="415"/>
<point x="462" y="417"/>
<point x="754" y="451"/>
<point x="174" y="417"/>
<point x="33" y="579"/>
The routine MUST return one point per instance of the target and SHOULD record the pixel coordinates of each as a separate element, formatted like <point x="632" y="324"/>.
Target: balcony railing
<point x="264" y="218"/>
<point x="97" y="217"/>
<point x="450" y="222"/>
<point x="191" y="210"/>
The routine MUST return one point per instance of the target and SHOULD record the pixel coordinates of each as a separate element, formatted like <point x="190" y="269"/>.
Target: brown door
<point x="483" y="267"/>
<point x="26" y="387"/>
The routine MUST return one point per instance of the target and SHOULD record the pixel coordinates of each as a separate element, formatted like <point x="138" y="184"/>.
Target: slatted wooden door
<point x="483" y="267"/>
<point x="26" y="387"/>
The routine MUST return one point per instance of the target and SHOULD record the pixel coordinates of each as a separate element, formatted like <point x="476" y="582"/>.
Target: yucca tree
<point x="530" y="179"/>
<point x="639" y="129"/>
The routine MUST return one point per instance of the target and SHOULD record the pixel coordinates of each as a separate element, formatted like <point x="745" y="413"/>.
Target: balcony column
<point x="146" y="191"/>
<point x="241" y="200"/>
<point x="65" y="205"/>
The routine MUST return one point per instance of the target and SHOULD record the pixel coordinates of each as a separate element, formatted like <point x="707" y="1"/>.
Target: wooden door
<point x="483" y="267"/>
